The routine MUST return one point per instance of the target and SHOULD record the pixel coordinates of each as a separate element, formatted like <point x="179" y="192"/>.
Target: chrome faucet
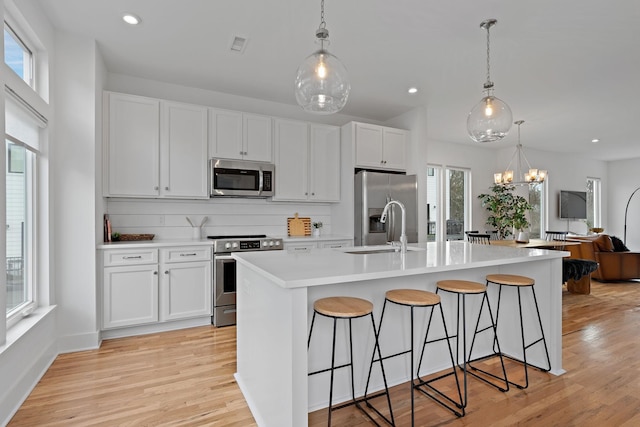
<point x="403" y="234"/>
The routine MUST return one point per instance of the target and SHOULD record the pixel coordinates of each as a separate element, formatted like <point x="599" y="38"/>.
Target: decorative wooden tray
<point x="132" y="237"/>
<point x="299" y="226"/>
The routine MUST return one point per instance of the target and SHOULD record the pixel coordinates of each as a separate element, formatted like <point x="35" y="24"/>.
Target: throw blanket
<point x="576" y="268"/>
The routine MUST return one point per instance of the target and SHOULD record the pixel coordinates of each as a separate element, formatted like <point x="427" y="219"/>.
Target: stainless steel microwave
<point x="241" y="178"/>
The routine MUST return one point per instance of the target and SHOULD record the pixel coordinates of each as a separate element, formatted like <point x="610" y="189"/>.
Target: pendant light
<point x="490" y="120"/>
<point x="532" y="176"/>
<point x="322" y="84"/>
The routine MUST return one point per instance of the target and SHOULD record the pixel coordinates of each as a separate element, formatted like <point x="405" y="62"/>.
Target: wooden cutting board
<point x="297" y="226"/>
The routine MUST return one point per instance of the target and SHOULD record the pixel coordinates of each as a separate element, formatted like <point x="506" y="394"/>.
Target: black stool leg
<point x="525" y="346"/>
<point x="421" y="383"/>
<point x="496" y="343"/>
<point x="333" y="362"/>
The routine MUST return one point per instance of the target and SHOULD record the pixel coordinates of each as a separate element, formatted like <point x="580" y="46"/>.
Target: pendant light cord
<point x="489" y="83"/>
<point x="322" y="23"/>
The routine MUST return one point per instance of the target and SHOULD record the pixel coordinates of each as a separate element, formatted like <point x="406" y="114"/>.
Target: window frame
<point x="29" y="68"/>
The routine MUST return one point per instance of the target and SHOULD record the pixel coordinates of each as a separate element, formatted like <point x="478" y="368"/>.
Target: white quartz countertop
<point x="159" y="243"/>
<point x="330" y="266"/>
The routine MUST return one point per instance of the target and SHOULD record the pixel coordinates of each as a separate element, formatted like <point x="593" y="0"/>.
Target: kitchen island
<point x="275" y="295"/>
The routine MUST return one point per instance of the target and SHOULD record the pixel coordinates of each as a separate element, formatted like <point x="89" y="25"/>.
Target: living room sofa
<point x="615" y="261"/>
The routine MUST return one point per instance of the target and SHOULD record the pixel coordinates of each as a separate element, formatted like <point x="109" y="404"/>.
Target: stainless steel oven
<point x="224" y="271"/>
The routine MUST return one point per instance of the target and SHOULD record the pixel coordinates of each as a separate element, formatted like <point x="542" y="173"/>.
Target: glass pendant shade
<point x="490" y="120"/>
<point x="322" y="84"/>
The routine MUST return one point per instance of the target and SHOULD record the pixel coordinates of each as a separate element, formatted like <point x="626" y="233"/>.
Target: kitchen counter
<point x="157" y="243"/>
<point x="276" y="291"/>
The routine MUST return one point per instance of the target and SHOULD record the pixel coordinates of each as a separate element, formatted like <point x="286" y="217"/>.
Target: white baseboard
<point x="79" y="342"/>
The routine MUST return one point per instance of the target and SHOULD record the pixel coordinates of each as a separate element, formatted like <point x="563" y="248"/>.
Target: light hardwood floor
<point x="185" y="378"/>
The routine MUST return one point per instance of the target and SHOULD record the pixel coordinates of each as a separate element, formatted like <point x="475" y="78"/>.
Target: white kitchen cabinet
<point x="307" y="244"/>
<point x="140" y="287"/>
<point x="186" y="283"/>
<point x="379" y="147"/>
<point x="132" y="155"/>
<point x="332" y="244"/>
<point x="183" y="151"/>
<point x="307" y="159"/>
<point x="129" y="288"/>
<point x="155" y="148"/>
<point x="237" y="135"/>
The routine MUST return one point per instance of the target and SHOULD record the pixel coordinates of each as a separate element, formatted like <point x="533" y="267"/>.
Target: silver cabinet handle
<point x="166" y="188"/>
<point x="132" y="257"/>
<point x="166" y="272"/>
<point x="192" y="254"/>
<point x="156" y="187"/>
<point x="155" y="273"/>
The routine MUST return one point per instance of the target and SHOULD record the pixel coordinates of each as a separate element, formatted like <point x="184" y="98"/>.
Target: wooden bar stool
<point x="520" y="282"/>
<point x="462" y="288"/>
<point x="349" y="308"/>
<point x="415" y="298"/>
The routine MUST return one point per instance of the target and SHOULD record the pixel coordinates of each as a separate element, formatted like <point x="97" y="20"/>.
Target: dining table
<point x="535" y="243"/>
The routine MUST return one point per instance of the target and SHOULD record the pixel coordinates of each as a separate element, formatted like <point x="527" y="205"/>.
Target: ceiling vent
<point x="238" y="44"/>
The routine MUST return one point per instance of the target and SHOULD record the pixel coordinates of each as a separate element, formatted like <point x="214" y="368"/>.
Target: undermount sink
<point x="378" y="250"/>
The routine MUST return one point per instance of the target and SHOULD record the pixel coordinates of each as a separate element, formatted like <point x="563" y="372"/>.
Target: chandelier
<point x="532" y="176"/>
<point x="490" y="119"/>
<point x="322" y="84"/>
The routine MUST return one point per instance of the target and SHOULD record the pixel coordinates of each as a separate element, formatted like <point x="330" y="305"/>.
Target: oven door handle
<point x="222" y="257"/>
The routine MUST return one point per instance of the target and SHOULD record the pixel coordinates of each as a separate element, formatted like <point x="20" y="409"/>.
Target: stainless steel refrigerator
<point x="372" y="192"/>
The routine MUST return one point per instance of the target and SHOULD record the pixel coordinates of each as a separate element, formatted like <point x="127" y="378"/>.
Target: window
<point x="17" y="55"/>
<point x="593" y="202"/>
<point x="19" y="209"/>
<point x="452" y="192"/>
<point x="537" y="216"/>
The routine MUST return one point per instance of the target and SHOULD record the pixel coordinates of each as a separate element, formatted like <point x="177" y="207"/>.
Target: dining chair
<point x="484" y="239"/>
<point x="556" y="235"/>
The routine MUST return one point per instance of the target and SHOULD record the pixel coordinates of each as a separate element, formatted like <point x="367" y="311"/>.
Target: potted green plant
<point x="507" y="210"/>
<point x="316" y="228"/>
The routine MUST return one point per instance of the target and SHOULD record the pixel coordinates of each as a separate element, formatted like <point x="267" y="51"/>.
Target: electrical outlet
<point x="161" y="219"/>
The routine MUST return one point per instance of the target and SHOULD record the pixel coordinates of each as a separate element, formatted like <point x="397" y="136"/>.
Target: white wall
<point x="623" y="180"/>
<point x="74" y="180"/>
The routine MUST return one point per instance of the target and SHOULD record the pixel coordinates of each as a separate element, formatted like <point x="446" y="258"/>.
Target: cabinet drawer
<point x="186" y="254"/>
<point x="335" y="244"/>
<point x="299" y="247"/>
<point x="130" y="257"/>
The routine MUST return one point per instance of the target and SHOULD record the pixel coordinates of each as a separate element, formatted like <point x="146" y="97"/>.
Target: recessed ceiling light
<point x="131" y="19"/>
<point x="595" y="140"/>
<point x="412" y="90"/>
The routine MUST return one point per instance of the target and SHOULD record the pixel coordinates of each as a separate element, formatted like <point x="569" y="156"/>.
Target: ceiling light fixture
<point x="322" y="84"/>
<point x="595" y="140"/>
<point x="533" y="176"/>
<point x="413" y="90"/>
<point x="490" y="120"/>
<point x="131" y="19"/>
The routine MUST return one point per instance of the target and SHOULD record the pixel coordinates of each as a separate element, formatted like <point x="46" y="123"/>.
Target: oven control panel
<point x="264" y="244"/>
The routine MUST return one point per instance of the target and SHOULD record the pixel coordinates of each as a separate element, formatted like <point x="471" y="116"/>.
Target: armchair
<point x="612" y="265"/>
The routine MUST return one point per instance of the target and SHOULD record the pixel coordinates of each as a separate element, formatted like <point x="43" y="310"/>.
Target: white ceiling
<point x="570" y="69"/>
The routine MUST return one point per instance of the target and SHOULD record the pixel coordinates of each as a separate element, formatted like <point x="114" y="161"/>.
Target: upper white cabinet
<point x="379" y="147"/>
<point x="155" y="148"/>
<point x="236" y="135"/>
<point x="307" y="159"/>
<point x="133" y="146"/>
<point x="183" y="151"/>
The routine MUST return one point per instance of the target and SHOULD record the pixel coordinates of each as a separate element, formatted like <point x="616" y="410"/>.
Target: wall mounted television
<point x="573" y="204"/>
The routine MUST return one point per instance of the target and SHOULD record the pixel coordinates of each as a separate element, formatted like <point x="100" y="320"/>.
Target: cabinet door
<point x="183" y="142"/>
<point x="291" y="154"/>
<point x="133" y="146"/>
<point x="257" y="139"/>
<point x="129" y="296"/>
<point x="394" y="148"/>
<point x="225" y="134"/>
<point x="186" y="290"/>
<point x="324" y="163"/>
<point x="368" y="145"/>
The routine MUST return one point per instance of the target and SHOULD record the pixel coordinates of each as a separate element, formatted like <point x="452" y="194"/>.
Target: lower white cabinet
<point x="185" y="288"/>
<point x="139" y="287"/>
<point x="306" y="246"/>
<point x="130" y="296"/>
